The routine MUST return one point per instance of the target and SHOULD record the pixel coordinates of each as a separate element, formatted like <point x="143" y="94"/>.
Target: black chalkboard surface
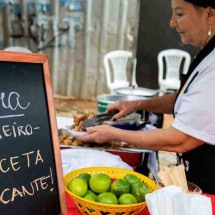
<point x="31" y="179"/>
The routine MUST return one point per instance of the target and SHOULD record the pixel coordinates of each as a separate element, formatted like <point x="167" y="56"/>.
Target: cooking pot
<point x="108" y="99"/>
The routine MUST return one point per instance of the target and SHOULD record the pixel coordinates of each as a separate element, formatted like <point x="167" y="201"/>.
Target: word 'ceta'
<point x="14" y="163"/>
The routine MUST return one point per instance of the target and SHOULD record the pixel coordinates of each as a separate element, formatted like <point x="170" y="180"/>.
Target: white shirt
<point x="195" y="109"/>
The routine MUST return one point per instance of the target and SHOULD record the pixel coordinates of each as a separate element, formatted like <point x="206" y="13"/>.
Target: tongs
<point x="99" y="119"/>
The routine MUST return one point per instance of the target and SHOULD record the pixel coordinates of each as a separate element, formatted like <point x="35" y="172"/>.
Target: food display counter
<point x="132" y="156"/>
<point x="71" y="206"/>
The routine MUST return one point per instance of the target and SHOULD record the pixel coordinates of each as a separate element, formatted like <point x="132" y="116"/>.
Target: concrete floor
<point x="67" y="106"/>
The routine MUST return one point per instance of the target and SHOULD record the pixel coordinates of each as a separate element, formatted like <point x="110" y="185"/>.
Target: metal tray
<point x="120" y="149"/>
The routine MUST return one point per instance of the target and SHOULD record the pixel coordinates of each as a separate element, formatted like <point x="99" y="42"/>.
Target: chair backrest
<point x="17" y="49"/>
<point x="173" y="59"/>
<point x="117" y="60"/>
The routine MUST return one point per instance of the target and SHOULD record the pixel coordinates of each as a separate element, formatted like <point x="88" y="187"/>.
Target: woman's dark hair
<point x="203" y="3"/>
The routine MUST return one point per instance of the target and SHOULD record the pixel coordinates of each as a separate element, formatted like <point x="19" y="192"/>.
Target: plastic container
<point x="90" y="207"/>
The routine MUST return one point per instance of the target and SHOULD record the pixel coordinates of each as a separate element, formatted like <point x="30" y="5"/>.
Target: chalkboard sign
<point x="31" y="179"/>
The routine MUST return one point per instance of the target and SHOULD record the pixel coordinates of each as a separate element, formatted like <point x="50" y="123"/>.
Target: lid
<point x="139" y="91"/>
<point x="112" y="98"/>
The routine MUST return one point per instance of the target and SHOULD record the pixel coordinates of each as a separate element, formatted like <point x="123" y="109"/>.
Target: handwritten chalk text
<point x="12" y="102"/>
<point x="15" y="130"/>
<point x="14" y="163"/>
<point x="8" y="195"/>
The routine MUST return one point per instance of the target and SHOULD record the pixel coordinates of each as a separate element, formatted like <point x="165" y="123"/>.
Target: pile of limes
<point x="103" y="189"/>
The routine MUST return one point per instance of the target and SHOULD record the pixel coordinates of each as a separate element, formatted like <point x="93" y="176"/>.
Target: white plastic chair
<point x="170" y="78"/>
<point x="116" y="61"/>
<point x="17" y="49"/>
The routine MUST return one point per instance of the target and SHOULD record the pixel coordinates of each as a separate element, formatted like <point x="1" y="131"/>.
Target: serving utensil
<point x="100" y="118"/>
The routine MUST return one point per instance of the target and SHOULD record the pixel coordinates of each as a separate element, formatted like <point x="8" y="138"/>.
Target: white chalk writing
<point x="12" y="102"/>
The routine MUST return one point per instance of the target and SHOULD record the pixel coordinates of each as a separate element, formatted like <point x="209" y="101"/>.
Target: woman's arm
<point x="163" y="104"/>
<point x="169" y="139"/>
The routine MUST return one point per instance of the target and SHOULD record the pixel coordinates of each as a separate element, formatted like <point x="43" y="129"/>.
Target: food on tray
<point x="102" y="188"/>
<point x="67" y="139"/>
<point x="174" y="175"/>
<point x="79" y="119"/>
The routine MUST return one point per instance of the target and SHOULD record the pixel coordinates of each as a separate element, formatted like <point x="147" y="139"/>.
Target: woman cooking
<point x="192" y="133"/>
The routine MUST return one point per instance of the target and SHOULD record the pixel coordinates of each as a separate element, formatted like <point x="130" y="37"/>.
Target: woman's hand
<point x="100" y="134"/>
<point x="125" y="108"/>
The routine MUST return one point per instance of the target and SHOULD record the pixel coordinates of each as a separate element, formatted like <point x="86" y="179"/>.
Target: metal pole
<point x="84" y="77"/>
<point x="56" y="46"/>
<point x="102" y="46"/>
<point x="122" y="24"/>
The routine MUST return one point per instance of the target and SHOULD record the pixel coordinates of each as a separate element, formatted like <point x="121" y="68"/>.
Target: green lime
<point x="90" y="195"/>
<point x="127" y="199"/>
<point x="120" y="186"/>
<point x="107" y="198"/>
<point x="139" y="190"/>
<point x="100" y="183"/>
<point x="78" y="186"/>
<point x="131" y="178"/>
<point x="85" y="176"/>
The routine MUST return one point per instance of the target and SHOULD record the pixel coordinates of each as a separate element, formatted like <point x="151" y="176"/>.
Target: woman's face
<point x="190" y="23"/>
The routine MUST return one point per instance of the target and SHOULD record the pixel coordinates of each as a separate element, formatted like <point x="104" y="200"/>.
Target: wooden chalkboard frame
<point x="43" y="59"/>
